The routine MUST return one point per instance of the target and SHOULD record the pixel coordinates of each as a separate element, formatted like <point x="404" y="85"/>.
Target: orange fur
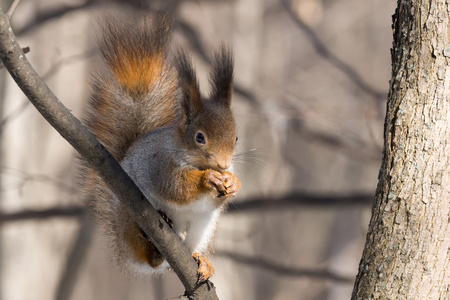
<point x="138" y="243"/>
<point x="205" y="269"/>
<point x="193" y="183"/>
<point x="144" y="101"/>
<point x="138" y="74"/>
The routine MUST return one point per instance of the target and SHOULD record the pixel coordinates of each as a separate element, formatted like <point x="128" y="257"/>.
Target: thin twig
<point x="159" y="232"/>
<point x="49" y="15"/>
<point x="322" y="49"/>
<point x="52" y="71"/>
<point x="12" y="8"/>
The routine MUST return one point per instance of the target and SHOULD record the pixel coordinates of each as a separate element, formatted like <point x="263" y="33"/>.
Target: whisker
<point x="250" y="157"/>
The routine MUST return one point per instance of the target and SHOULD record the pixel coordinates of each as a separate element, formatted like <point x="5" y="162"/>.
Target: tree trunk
<point x="407" y="248"/>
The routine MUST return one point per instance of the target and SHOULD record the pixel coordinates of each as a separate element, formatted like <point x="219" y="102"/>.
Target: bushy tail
<point x="135" y="95"/>
<point x="138" y="92"/>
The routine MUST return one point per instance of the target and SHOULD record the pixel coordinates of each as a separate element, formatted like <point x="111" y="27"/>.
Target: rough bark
<point x="407" y="248"/>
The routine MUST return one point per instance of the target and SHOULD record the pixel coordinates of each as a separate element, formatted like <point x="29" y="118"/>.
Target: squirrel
<point x="177" y="145"/>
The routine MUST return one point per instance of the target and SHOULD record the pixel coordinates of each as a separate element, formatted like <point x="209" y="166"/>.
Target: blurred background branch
<point x="323" y="50"/>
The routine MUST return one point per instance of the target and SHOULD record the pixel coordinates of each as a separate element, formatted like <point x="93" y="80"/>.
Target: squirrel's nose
<point x="224" y="164"/>
<point x="222" y="167"/>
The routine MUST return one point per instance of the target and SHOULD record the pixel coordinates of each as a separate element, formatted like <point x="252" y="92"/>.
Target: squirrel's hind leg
<point x="205" y="269"/>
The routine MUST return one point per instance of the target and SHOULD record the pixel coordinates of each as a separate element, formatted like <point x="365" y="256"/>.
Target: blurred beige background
<point x="311" y="85"/>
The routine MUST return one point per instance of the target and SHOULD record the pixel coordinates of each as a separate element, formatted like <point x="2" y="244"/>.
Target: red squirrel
<point x="177" y="145"/>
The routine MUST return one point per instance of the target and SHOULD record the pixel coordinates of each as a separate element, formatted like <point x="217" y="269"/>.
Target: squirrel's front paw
<point x="227" y="184"/>
<point x="205" y="269"/>
<point x="231" y="183"/>
<point x="214" y="181"/>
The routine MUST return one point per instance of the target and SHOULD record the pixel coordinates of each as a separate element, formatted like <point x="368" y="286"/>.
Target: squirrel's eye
<point x="200" y="138"/>
<point x="236" y="140"/>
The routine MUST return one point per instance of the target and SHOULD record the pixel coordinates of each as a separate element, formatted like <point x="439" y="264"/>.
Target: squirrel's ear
<point x="191" y="99"/>
<point x="222" y="75"/>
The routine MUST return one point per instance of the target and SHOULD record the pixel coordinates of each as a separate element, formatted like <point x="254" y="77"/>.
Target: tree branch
<point x="96" y="155"/>
<point x="250" y="205"/>
<point x="279" y="269"/>
<point x="74" y="211"/>
<point x="293" y="200"/>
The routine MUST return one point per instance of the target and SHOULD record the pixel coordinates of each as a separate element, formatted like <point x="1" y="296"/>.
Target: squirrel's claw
<point x="227" y="184"/>
<point x="166" y="218"/>
<point x="214" y="180"/>
<point x="205" y="269"/>
<point x="231" y="183"/>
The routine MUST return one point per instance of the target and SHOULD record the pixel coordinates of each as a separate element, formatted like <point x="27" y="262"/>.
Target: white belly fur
<point x="194" y="224"/>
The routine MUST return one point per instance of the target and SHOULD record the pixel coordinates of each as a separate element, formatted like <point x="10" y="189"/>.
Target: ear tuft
<point x="222" y="75"/>
<point x="187" y="78"/>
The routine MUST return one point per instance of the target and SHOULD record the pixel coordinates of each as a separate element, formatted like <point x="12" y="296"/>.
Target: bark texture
<point x="407" y="248"/>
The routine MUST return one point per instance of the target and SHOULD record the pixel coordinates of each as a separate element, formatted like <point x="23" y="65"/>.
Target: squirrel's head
<point x="206" y="125"/>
